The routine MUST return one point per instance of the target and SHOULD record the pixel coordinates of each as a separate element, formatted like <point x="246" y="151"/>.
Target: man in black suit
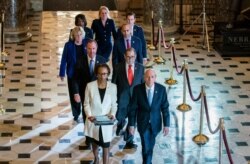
<point x="125" y="42"/>
<point x="84" y="73"/>
<point x="149" y="106"/>
<point x="125" y="84"/>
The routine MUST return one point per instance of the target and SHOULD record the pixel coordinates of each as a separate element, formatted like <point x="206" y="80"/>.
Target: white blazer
<point x="94" y="107"/>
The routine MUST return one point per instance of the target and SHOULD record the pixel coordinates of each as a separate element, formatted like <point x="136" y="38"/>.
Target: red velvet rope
<point x="190" y="89"/>
<point x="175" y="64"/>
<point x="227" y="147"/>
<point x="163" y="40"/>
<point x="155" y="43"/>
<point x="157" y="39"/>
<point x="208" y="119"/>
<point x="213" y="132"/>
<point x="153" y="32"/>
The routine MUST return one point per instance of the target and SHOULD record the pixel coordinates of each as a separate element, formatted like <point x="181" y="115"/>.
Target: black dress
<point x="100" y="142"/>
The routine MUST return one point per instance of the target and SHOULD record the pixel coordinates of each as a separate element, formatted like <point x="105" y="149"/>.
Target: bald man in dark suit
<point x="125" y="42"/>
<point x="149" y="106"/>
<point x="137" y="31"/>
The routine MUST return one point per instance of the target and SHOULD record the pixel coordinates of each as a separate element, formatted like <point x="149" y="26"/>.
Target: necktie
<point x="150" y="96"/>
<point x="130" y="75"/>
<point x="128" y="45"/>
<point x="91" y="67"/>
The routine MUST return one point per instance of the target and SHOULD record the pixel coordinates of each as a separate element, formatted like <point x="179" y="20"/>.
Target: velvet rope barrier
<point x="157" y="39"/>
<point x="217" y="129"/>
<point x="163" y="39"/>
<point x="226" y="146"/>
<point x="160" y="30"/>
<point x="175" y="63"/>
<point x="190" y="89"/>
<point x="154" y="43"/>
<point x="208" y="119"/>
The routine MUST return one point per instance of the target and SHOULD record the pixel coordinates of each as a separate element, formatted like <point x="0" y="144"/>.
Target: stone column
<point x="15" y="23"/>
<point x="162" y="10"/>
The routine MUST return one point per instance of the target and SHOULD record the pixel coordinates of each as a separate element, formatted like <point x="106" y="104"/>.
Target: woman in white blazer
<point x="100" y="99"/>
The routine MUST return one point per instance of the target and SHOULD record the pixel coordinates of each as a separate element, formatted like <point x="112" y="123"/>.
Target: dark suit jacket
<point x="119" y="50"/>
<point x="140" y="109"/>
<point x="103" y="33"/>
<point x="68" y="60"/>
<point x="82" y="74"/>
<point x="138" y="32"/>
<point x="124" y="90"/>
<point x="103" y="36"/>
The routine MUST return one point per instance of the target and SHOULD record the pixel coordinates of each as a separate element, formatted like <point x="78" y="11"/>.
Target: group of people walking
<point x="132" y="97"/>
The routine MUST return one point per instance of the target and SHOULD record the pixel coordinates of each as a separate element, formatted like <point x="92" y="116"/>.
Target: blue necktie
<point x="150" y="96"/>
<point x="91" y="67"/>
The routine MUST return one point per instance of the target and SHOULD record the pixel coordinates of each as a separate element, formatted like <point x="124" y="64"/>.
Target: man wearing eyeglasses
<point x="125" y="42"/>
<point x="126" y="75"/>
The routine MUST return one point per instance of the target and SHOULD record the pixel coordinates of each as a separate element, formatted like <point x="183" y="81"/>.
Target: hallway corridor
<point x="37" y="128"/>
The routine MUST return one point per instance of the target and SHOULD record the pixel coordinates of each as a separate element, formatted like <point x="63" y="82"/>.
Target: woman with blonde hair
<point x="103" y="28"/>
<point x="74" y="49"/>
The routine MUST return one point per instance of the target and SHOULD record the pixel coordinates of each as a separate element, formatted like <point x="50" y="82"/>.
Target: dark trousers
<point x="148" y="143"/>
<point x="126" y="136"/>
<point x="75" y="107"/>
<point x="82" y="95"/>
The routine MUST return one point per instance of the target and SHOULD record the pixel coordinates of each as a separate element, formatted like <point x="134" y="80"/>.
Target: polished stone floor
<point x="37" y="124"/>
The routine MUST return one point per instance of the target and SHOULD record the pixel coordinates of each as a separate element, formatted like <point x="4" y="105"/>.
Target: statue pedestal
<point x="15" y="22"/>
<point x="17" y="36"/>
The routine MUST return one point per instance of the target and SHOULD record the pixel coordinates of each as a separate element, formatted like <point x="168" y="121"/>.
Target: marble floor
<point x="37" y="124"/>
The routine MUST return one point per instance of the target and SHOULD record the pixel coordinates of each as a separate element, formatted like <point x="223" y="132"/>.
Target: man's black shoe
<point x="119" y="128"/>
<point x="76" y="121"/>
<point x="130" y="145"/>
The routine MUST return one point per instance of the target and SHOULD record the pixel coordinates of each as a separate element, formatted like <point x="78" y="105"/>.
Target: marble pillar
<point x="162" y="10"/>
<point x="15" y="23"/>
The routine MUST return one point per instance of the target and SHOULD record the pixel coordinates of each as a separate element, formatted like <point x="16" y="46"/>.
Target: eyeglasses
<point x="102" y="74"/>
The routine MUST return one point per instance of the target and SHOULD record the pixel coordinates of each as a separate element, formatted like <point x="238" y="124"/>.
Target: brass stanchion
<point x="184" y="107"/>
<point x="2" y="68"/>
<point x="151" y="46"/>
<point x="201" y="139"/>
<point x="159" y="59"/>
<point x="171" y="80"/>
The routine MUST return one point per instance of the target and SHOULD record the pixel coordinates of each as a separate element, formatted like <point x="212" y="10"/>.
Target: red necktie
<point x="128" y="45"/>
<point x="130" y="75"/>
